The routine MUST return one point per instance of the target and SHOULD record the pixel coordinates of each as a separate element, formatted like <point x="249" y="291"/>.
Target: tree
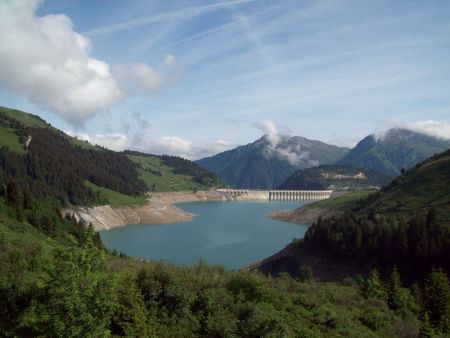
<point x="12" y="194"/>
<point x="394" y="288"/>
<point x="437" y="299"/>
<point x="426" y="330"/>
<point x="77" y="301"/>
<point x="130" y="317"/>
<point x="305" y="273"/>
<point x="374" y="287"/>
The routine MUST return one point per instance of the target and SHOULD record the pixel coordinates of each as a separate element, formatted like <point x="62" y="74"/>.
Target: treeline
<point x="431" y="302"/>
<point x="414" y="245"/>
<point x="55" y="168"/>
<point x="185" y="167"/>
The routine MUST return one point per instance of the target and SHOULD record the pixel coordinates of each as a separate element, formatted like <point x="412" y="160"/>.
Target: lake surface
<point x="233" y="234"/>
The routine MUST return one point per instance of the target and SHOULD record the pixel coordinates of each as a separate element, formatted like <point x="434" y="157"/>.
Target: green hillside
<point x="57" y="166"/>
<point x="171" y="173"/>
<point x="425" y="186"/>
<point x="334" y="177"/>
<point x="405" y="224"/>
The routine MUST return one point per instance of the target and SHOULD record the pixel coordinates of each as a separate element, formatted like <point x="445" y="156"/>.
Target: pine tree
<point x="374" y="286"/>
<point x="426" y="330"/>
<point x="394" y="289"/>
<point x="437" y="299"/>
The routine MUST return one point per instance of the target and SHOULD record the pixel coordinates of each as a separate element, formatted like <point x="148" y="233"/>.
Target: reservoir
<point x="233" y="234"/>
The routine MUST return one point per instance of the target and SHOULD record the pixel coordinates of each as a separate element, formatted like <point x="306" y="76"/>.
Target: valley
<point x="224" y="169"/>
<point x="183" y="228"/>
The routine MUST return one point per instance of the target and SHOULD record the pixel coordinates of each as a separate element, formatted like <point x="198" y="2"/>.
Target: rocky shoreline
<point x="159" y="209"/>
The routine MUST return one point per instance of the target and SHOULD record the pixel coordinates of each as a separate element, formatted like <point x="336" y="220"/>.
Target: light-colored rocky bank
<point x="159" y="209"/>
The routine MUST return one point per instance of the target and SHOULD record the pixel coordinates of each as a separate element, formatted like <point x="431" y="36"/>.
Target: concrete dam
<point x="277" y="195"/>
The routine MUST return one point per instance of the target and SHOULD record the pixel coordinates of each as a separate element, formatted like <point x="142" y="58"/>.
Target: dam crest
<point x="277" y="195"/>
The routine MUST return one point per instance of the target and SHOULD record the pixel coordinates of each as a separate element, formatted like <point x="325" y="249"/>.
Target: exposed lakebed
<point x="233" y="234"/>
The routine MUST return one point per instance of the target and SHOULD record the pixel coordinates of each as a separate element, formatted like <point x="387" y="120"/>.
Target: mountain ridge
<point x="266" y="164"/>
<point x="394" y="150"/>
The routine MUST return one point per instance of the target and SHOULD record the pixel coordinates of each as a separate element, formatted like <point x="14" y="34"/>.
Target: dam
<point x="277" y="195"/>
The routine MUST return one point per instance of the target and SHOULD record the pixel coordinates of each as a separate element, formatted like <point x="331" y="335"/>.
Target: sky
<point x="194" y="78"/>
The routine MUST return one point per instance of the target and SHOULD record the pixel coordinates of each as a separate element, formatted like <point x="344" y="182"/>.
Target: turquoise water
<point x="233" y="234"/>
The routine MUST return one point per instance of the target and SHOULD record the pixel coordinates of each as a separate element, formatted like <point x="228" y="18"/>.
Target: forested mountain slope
<point x="70" y="171"/>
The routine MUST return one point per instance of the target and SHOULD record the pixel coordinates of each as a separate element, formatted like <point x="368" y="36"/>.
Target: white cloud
<point x="139" y="78"/>
<point x="275" y="136"/>
<point x="45" y="60"/>
<point x="165" y="145"/>
<point x="173" y="145"/>
<point x="113" y="141"/>
<point x="430" y="127"/>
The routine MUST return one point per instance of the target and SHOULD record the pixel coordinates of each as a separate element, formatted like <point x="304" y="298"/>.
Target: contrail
<point x="181" y="14"/>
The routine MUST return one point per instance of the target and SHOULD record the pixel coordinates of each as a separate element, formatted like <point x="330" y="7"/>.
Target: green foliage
<point x="10" y="140"/>
<point x="114" y="198"/>
<point x="341" y="202"/>
<point x="169" y="173"/>
<point x="53" y="165"/>
<point x="77" y="301"/>
<point x="305" y="273"/>
<point x="425" y="186"/>
<point x="437" y="299"/>
<point x="8" y="115"/>
<point x="413" y="246"/>
<point x="130" y="316"/>
<point x="182" y="166"/>
<point x="374" y="287"/>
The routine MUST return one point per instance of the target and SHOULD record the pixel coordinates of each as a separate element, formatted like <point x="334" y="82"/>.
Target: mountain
<point x="57" y="166"/>
<point x="397" y="149"/>
<point x="335" y="177"/>
<point x="265" y="164"/>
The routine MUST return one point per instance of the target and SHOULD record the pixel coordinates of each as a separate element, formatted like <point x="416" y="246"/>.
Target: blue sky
<point x="196" y="77"/>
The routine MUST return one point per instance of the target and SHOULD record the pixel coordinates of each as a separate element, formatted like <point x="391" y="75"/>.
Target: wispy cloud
<point x="184" y="13"/>
<point x="165" y="145"/>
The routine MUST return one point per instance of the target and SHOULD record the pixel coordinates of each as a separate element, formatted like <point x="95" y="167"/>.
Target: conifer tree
<point x="437" y="299"/>
<point x="394" y="289"/>
<point x="374" y="286"/>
